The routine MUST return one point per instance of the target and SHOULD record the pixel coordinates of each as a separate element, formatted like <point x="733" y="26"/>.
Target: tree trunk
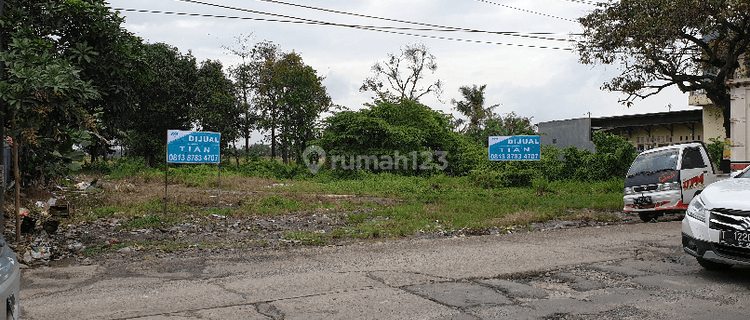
<point x="285" y="150"/>
<point x="247" y="122"/>
<point x="236" y="154"/>
<point x="273" y="136"/>
<point x="17" y="177"/>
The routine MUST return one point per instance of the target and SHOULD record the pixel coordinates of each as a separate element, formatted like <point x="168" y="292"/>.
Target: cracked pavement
<point x="628" y="271"/>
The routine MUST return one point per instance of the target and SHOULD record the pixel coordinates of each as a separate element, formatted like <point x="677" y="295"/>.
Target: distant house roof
<point x="648" y="119"/>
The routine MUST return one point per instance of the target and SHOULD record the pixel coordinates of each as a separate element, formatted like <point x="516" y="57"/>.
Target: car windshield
<point x="743" y="174"/>
<point x="654" y="161"/>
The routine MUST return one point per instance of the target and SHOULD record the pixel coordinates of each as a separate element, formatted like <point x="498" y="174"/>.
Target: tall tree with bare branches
<point x="400" y="75"/>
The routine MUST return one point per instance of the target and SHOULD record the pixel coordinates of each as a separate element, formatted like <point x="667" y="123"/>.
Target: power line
<point x="370" y="28"/>
<point x="506" y="33"/>
<point x="593" y="3"/>
<point x="361" y="15"/>
<point x="527" y="11"/>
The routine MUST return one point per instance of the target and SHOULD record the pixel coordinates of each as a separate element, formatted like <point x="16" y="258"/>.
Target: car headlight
<point x="669" y="186"/>
<point x="696" y="209"/>
<point x="629" y="191"/>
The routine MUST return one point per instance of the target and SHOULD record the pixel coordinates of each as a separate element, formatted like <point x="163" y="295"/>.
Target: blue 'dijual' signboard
<point x="193" y="147"/>
<point x="514" y="148"/>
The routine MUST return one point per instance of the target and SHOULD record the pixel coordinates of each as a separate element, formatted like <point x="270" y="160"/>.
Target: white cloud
<point x="543" y="83"/>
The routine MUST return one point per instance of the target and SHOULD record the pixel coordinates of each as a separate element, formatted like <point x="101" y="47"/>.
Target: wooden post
<point x="218" y="202"/>
<point x="166" y="181"/>
<point x="17" y="177"/>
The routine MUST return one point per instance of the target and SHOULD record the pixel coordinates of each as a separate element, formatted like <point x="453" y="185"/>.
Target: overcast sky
<point x="543" y="83"/>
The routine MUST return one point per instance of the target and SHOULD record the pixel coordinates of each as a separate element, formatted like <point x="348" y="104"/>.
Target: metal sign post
<point x="195" y="147"/>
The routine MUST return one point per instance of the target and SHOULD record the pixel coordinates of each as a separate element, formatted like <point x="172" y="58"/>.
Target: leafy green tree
<point x="216" y="108"/>
<point x="166" y="94"/>
<point x="267" y="97"/>
<point x="290" y="97"/>
<point x="483" y="122"/>
<point x="45" y="99"/>
<point x="692" y="44"/>
<point x="260" y="150"/>
<point x="400" y="76"/>
<point x="303" y="100"/>
<point x="499" y="125"/>
<point x="89" y="36"/>
<point x="244" y="80"/>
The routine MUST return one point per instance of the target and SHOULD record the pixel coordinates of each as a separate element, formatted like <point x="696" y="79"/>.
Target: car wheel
<point x="648" y="216"/>
<point x="711" y="265"/>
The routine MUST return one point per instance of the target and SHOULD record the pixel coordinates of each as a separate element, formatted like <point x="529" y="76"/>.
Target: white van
<point x="666" y="179"/>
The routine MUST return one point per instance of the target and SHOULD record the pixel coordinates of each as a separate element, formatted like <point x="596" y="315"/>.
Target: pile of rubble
<point x="39" y="221"/>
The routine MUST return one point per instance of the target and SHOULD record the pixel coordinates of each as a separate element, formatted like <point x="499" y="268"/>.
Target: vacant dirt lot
<point x="88" y="235"/>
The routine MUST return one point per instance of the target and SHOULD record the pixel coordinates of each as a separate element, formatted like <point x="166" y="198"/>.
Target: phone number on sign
<point x="193" y="158"/>
<point x="516" y="156"/>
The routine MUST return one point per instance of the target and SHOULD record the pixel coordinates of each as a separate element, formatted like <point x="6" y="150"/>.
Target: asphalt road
<point x="633" y="271"/>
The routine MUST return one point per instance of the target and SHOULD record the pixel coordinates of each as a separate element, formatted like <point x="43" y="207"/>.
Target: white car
<point x="10" y="282"/>
<point x="716" y="227"/>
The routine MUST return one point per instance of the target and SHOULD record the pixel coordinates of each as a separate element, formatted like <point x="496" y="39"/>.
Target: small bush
<point x="98" y="167"/>
<point x="612" y="159"/>
<point x="542" y="186"/>
<point x="127" y="166"/>
<point x="716" y="150"/>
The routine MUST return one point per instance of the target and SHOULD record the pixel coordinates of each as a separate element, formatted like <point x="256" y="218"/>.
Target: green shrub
<point x="542" y="185"/>
<point x="716" y="150"/>
<point x="407" y="127"/>
<point x="612" y="159"/>
<point x="98" y="167"/>
<point x="127" y="166"/>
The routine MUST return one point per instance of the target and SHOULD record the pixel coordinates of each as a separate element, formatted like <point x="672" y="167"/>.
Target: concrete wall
<point x="713" y="123"/>
<point x="564" y="133"/>
<point x="642" y="139"/>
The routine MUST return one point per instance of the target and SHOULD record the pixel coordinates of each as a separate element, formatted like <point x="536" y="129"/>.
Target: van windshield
<point x="654" y="162"/>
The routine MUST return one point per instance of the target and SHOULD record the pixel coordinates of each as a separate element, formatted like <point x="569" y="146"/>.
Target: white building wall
<point x="739" y="128"/>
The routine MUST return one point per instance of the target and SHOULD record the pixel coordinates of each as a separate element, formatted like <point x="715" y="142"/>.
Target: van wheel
<point x="648" y="216"/>
<point x="710" y="265"/>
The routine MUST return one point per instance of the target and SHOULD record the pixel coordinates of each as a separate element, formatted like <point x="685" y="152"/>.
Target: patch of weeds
<point x="156" y="205"/>
<point x="150" y="221"/>
<point x="105" y="212"/>
<point x="217" y="211"/>
<point x="271" y="205"/>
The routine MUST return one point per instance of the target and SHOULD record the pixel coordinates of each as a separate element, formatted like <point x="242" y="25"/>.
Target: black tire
<point x="648" y="216"/>
<point x="710" y="265"/>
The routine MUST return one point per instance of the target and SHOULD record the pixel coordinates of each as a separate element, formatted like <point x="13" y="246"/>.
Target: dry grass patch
<point x="519" y="218"/>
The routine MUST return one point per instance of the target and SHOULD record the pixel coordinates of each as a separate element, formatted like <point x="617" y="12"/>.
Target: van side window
<point x="692" y="159"/>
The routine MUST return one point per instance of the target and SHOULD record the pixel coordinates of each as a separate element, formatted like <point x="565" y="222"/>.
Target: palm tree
<point x="473" y="108"/>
